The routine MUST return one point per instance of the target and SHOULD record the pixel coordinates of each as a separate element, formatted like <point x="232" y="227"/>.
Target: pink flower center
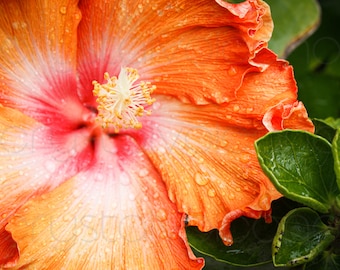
<point x="122" y="101"/>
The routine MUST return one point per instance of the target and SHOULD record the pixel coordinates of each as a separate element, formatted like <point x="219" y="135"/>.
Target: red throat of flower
<point x="122" y="101"/>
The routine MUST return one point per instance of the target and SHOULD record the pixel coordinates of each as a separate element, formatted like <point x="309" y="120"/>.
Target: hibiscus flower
<point x="121" y="120"/>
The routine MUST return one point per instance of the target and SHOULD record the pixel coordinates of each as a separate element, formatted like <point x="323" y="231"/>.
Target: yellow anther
<point x="122" y="100"/>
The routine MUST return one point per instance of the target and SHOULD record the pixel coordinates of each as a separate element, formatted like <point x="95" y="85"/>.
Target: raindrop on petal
<point x="161" y="215"/>
<point x="232" y="71"/>
<point x="143" y="172"/>
<point x="201" y="180"/>
<point x="63" y="10"/>
<point x="236" y="108"/>
<point x="211" y="193"/>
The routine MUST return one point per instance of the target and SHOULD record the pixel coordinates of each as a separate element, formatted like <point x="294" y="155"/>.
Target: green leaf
<point x="301" y="167"/>
<point x="326" y="261"/>
<point x="319" y="93"/>
<point x="212" y="264"/>
<point x="324" y="129"/>
<point x="336" y="154"/>
<point x="334" y="123"/>
<point x="294" y="21"/>
<point x="316" y="64"/>
<point x="252" y="242"/>
<point x="300" y="237"/>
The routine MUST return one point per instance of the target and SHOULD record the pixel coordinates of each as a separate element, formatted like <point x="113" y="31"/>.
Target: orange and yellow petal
<point x="38" y="58"/>
<point x="265" y="99"/>
<point x="210" y="168"/>
<point x="197" y="52"/>
<point x="115" y="215"/>
<point x="253" y="18"/>
<point x="287" y="116"/>
<point x="34" y="160"/>
<point x="209" y="164"/>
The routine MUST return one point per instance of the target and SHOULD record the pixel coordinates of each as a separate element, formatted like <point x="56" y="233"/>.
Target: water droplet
<point x="124" y="179"/>
<point x="245" y="174"/>
<point x="245" y="158"/>
<point x="143" y="172"/>
<point x="161" y="215"/>
<point x="223" y="143"/>
<point x="236" y="108"/>
<point x="161" y="150"/>
<point x="211" y="193"/>
<point x="156" y="105"/>
<point x="77" y="232"/>
<point x="232" y="71"/>
<point x="200" y="160"/>
<point x="63" y="10"/>
<point x="201" y="180"/>
<point x="50" y="166"/>
<point x="160" y="13"/>
<point x="73" y="152"/>
<point x="162" y="235"/>
<point x="77" y="16"/>
<point x="172" y="235"/>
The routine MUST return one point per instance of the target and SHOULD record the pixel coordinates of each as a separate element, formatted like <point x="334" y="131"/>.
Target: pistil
<point x="123" y="100"/>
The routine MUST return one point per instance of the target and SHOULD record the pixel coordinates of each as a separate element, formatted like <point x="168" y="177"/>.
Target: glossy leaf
<point x="336" y="154"/>
<point x="300" y="237"/>
<point x="333" y="122"/>
<point x="212" y="264"/>
<point x="326" y="261"/>
<point x="252" y="240"/>
<point x="324" y="129"/>
<point x="301" y="167"/>
<point x="290" y="26"/>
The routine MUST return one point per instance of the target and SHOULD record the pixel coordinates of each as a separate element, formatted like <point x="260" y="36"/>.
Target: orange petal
<point x="38" y="58"/>
<point x="8" y="249"/>
<point x="206" y="153"/>
<point x="266" y="98"/>
<point x="292" y="116"/>
<point x="210" y="168"/>
<point x="33" y="160"/>
<point x="225" y="232"/>
<point x="197" y="51"/>
<point x="115" y="215"/>
<point x="253" y="18"/>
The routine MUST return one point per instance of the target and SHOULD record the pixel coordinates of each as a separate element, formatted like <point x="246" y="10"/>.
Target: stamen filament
<point x="121" y="101"/>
